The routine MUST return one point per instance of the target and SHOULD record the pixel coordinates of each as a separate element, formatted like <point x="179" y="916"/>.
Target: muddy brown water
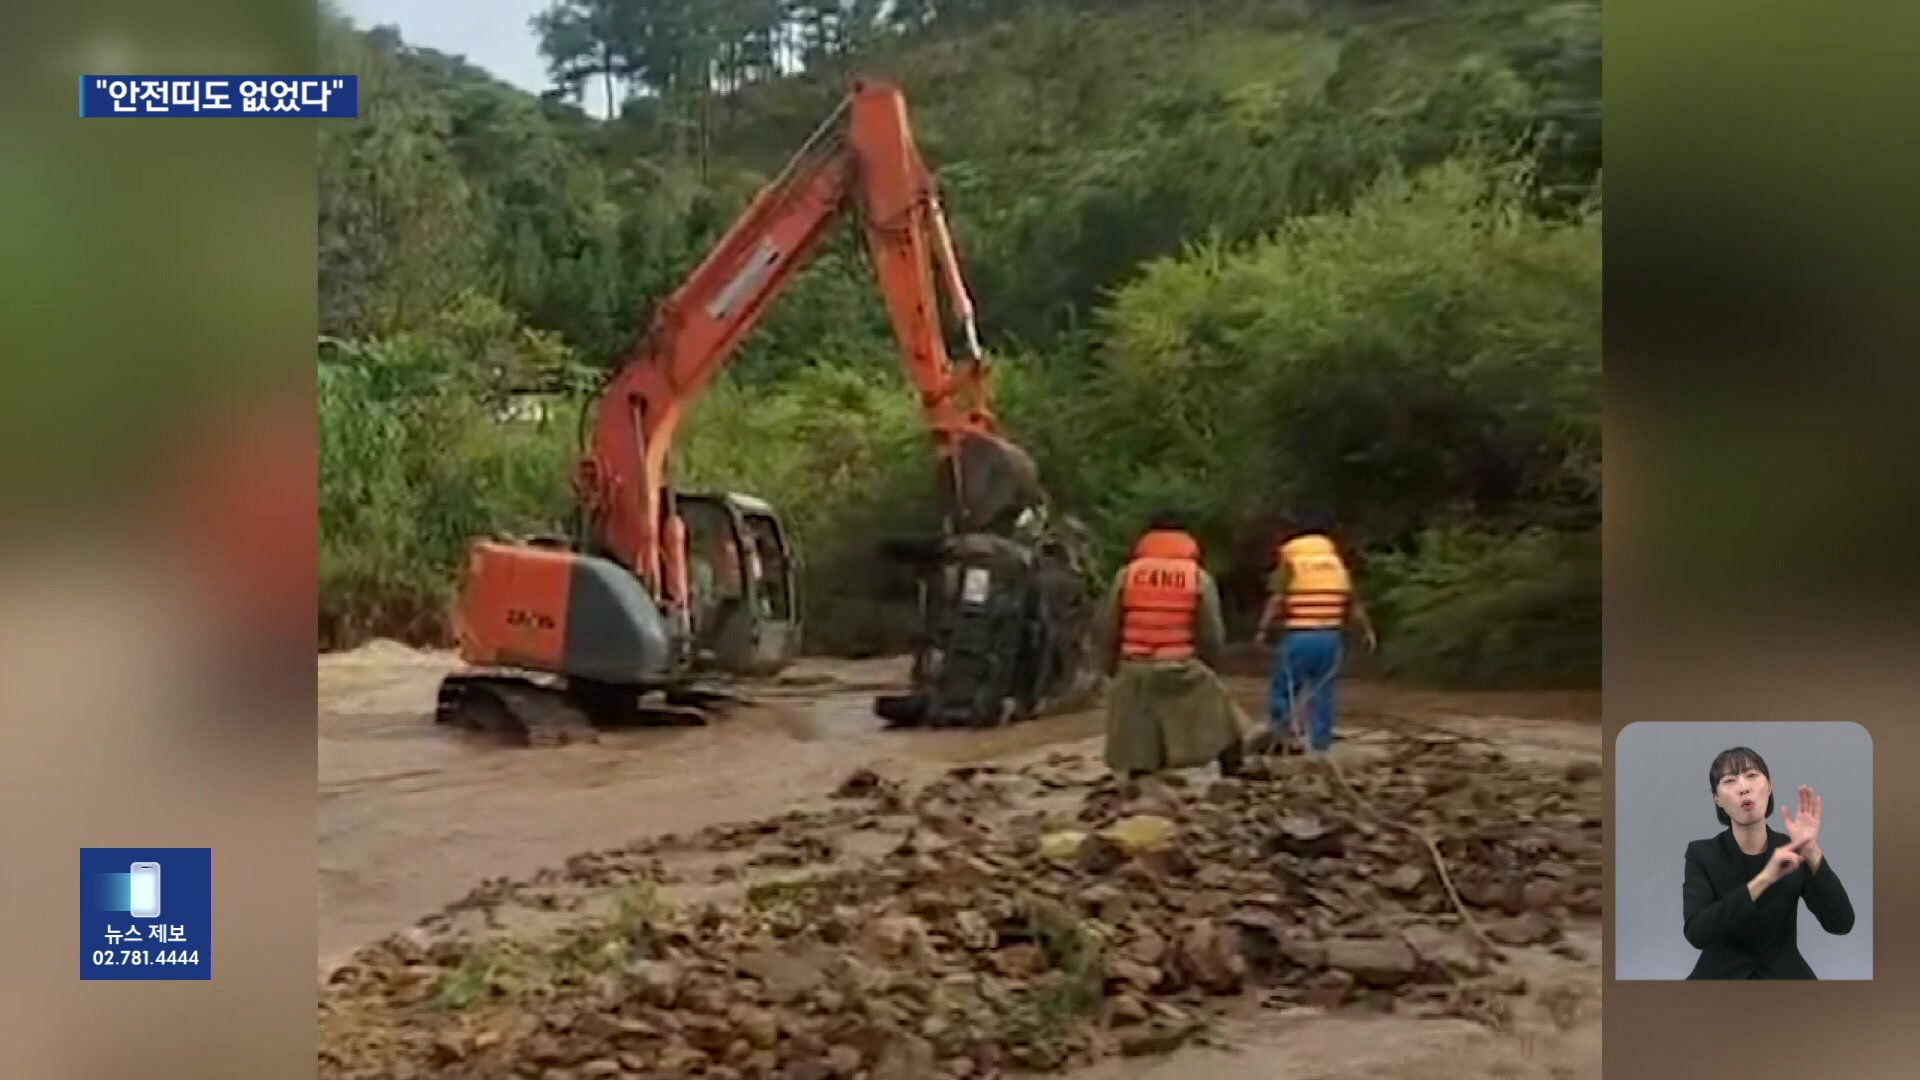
<point x="412" y="816"/>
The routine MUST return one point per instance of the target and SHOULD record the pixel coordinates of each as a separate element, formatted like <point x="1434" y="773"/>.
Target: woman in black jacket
<point x="1743" y="886"/>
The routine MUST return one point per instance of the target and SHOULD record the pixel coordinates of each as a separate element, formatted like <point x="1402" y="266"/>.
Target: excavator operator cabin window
<point x="775" y="572"/>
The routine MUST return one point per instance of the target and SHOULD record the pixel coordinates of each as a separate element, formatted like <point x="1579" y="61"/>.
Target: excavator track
<point x="540" y="711"/>
<point x="516" y="709"/>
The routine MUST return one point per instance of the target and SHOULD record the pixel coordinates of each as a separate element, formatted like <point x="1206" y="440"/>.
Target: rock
<point x="1141" y="976"/>
<point x="1225" y="792"/>
<point x="844" y="1059"/>
<point x="899" y="936"/>
<point x="856" y="977"/>
<point x="967" y="871"/>
<point x="806" y="1045"/>
<point x="788" y="973"/>
<point x="449" y="1047"/>
<point x="1142" y="834"/>
<point x="1213" y="876"/>
<point x="1210" y="957"/>
<point x="1062" y="847"/>
<point x="1405" y="879"/>
<point x="1379" y="962"/>
<point x="1019" y="961"/>
<point x="1303" y="952"/>
<point x="884" y="1014"/>
<point x="905" y="1057"/>
<point x="680" y="1057"/>
<point x="1147" y="948"/>
<point x="974" y="931"/>
<point x="1168" y="864"/>
<point x="710" y="1034"/>
<point x="1555" y="869"/>
<point x="1328" y="989"/>
<point x="1581" y="771"/>
<point x="1101" y="854"/>
<point x="1307" y="837"/>
<point x="758" y="1026"/>
<point x="1163" y="1036"/>
<point x="543" y="1049"/>
<point x="601" y="1067"/>
<point x="1448" y="951"/>
<point x="1508" y="983"/>
<point x="701" y="995"/>
<point x="1126" y="1009"/>
<point x="1258" y="935"/>
<point x="1481" y="891"/>
<point x="1525" y="929"/>
<point x="858" y="783"/>
<point x="658" y="981"/>
<point x="1541" y="893"/>
<point x="1108" y="901"/>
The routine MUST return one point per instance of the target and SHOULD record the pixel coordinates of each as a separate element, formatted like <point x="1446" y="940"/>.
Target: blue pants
<point x="1305" y="664"/>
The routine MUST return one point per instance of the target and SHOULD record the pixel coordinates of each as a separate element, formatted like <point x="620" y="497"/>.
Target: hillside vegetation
<point x="1242" y="256"/>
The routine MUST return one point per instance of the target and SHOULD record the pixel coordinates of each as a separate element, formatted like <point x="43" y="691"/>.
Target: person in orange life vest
<point x="1160" y="636"/>
<point x="1312" y="600"/>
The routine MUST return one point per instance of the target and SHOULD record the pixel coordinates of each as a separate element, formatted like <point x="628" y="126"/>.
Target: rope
<point x="1295" y="725"/>
<point x="1439" y="862"/>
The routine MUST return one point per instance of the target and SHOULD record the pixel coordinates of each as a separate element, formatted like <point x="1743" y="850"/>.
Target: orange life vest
<point x="1160" y="597"/>
<point x="1318" y="586"/>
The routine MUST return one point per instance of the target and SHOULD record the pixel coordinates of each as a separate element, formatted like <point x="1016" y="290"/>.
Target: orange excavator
<point x="661" y="589"/>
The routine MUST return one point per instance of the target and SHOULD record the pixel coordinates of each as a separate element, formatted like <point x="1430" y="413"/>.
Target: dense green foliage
<point x="1247" y="257"/>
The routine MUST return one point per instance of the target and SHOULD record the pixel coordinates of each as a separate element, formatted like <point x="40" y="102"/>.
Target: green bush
<point x="1518" y="609"/>
<point x="415" y="462"/>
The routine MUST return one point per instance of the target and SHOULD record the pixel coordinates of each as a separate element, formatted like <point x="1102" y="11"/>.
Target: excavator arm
<point x="863" y="158"/>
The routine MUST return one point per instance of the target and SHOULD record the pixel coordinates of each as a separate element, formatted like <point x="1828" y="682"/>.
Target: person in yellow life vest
<point x="1160" y="635"/>
<point x="1312" y="600"/>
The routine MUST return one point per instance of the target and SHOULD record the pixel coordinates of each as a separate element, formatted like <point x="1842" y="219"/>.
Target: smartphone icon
<point x="144" y="893"/>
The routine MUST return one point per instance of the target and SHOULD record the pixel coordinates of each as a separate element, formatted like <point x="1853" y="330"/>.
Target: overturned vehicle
<point x="1006" y="628"/>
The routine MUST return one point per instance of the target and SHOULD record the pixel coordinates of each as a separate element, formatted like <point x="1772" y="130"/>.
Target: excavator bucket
<point x="987" y="483"/>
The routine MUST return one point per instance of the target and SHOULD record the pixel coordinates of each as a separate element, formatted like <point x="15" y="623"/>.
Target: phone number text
<point x="137" y="957"/>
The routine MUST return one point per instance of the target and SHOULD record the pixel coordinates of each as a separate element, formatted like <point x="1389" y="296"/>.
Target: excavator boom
<point x="863" y="158"/>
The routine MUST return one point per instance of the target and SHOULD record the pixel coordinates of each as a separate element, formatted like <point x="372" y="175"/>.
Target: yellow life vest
<point x="1318" y="586"/>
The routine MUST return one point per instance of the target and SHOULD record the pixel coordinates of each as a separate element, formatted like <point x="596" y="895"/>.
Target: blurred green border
<point x="150" y="270"/>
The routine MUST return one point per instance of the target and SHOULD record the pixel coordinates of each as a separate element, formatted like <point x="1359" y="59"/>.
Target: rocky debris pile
<point x="1022" y="919"/>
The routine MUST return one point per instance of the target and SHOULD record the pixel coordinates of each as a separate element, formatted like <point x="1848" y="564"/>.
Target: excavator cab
<point x="744" y="584"/>
<point x="539" y="615"/>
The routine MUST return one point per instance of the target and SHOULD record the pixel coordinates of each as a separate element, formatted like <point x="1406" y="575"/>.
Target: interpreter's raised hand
<point x="1785" y="860"/>
<point x="1803" y="828"/>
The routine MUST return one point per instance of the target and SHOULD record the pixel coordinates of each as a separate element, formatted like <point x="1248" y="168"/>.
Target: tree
<point x="587" y="39"/>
